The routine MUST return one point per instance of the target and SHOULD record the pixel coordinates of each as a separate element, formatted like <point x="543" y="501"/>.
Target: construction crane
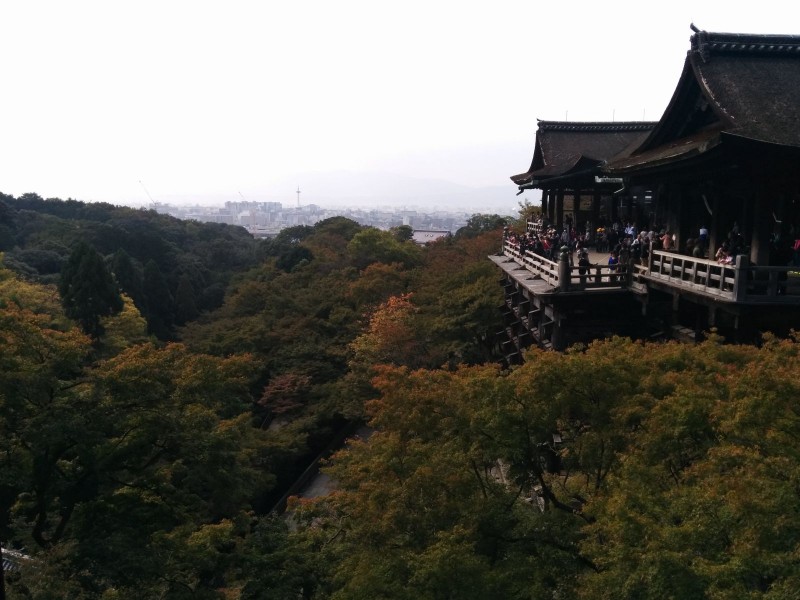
<point x="152" y="202"/>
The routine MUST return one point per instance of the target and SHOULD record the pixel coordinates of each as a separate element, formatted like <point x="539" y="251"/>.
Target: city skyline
<point x="268" y="218"/>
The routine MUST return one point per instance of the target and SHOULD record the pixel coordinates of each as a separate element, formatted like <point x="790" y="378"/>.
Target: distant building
<point x="425" y="236"/>
<point x="266" y="219"/>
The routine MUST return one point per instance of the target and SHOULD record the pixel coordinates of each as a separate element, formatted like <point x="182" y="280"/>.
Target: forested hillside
<point x="622" y="470"/>
<point x="171" y="269"/>
<point x="142" y="459"/>
<point x="163" y="383"/>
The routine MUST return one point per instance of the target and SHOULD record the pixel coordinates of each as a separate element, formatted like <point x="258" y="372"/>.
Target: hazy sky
<point x="104" y="100"/>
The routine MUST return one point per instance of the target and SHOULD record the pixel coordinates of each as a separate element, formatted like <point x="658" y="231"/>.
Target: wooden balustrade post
<point x="564" y="270"/>
<point x="739" y="277"/>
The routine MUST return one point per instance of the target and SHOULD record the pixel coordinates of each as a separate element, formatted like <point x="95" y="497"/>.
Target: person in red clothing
<point x="666" y="241"/>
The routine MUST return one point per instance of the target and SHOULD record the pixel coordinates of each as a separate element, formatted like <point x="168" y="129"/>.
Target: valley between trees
<point x="162" y="383"/>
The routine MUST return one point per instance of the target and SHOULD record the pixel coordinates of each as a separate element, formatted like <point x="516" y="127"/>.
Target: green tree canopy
<point x="372" y="245"/>
<point x="482" y="223"/>
<point x="128" y="276"/>
<point x="621" y="470"/>
<point x="185" y="306"/>
<point x="127" y="476"/>
<point x="88" y="292"/>
<point x="160" y="309"/>
<point x="402" y="233"/>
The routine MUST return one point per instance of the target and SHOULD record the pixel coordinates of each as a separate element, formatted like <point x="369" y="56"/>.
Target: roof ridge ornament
<point x="699" y="42"/>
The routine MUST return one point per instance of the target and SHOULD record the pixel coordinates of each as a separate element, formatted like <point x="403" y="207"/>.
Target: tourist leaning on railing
<point x="583" y="265"/>
<point x="723" y="255"/>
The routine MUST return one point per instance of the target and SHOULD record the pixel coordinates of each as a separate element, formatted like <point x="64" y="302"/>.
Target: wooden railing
<point x="772" y="285"/>
<point x="598" y="277"/>
<point x="534" y="227"/>
<point x="540" y="266"/>
<point x="740" y="282"/>
<point x="571" y="277"/>
<point x="699" y="274"/>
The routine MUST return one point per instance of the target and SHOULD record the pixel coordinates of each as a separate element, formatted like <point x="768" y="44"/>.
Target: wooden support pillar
<point x="763" y="227"/>
<point x="595" y="213"/>
<point x="559" y="210"/>
<point x="557" y="338"/>
<point x="676" y="201"/>
<point x="685" y="229"/>
<point x="740" y="278"/>
<point x="699" y="324"/>
<point x="551" y="207"/>
<point x="545" y="321"/>
<point x="676" y="305"/>
<point x="613" y="209"/>
<point x="547" y="205"/>
<point x="715" y="234"/>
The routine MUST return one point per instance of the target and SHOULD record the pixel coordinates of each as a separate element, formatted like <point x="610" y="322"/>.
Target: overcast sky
<point x="114" y="101"/>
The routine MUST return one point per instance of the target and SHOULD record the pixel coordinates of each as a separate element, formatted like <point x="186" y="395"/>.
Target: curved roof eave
<point x="658" y="156"/>
<point x="563" y="146"/>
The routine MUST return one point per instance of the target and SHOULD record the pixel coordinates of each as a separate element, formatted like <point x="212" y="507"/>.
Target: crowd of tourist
<point x="543" y="240"/>
<point x="624" y="243"/>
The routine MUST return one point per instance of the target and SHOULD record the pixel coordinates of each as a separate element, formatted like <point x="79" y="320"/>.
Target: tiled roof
<point x="563" y="146"/>
<point x="732" y="84"/>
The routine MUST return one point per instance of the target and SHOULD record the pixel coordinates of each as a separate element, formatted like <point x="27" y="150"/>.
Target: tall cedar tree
<point x="185" y="306"/>
<point x="88" y="291"/>
<point x="128" y="277"/>
<point x="160" y="303"/>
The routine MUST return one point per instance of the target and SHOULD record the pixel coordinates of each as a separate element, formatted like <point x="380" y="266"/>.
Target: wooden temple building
<point x="723" y="157"/>
<point x="567" y="167"/>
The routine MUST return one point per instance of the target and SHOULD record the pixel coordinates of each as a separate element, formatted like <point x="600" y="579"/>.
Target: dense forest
<point x="164" y="383"/>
